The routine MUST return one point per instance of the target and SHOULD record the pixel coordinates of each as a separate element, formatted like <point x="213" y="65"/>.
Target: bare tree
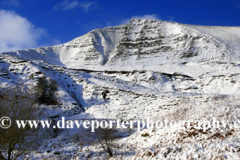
<point x="17" y="103"/>
<point x="52" y="89"/>
<point x="106" y="137"/>
<point x="82" y="138"/>
<point x="46" y="90"/>
<point x="41" y="89"/>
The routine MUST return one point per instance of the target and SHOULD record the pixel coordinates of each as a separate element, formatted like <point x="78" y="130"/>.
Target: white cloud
<point x="10" y="2"/>
<point x="66" y="5"/>
<point x="17" y="32"/>
<point x="86" y="6"/>
<point x="146" y="16"/>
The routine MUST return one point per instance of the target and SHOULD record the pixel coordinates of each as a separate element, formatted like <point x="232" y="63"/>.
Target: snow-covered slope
<point x="143" y="42"/>
<point x="227" y="35"/>
<point x="150" y="68"/>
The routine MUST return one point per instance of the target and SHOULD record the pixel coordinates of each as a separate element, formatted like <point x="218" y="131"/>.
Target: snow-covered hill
<point x="151" y="69"/>
<point x="143" y="42"/>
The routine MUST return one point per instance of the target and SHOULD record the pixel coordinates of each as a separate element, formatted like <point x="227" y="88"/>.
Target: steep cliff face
<point x="147" y="42"/>
<point x="93" y="48"/>
<point x="142" y="42"/>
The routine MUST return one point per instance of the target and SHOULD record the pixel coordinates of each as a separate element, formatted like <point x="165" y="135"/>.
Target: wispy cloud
<point x="67" y="5"/>
<point x="17" y="32"/>
<point x="170" y="18"/>
<point x="146" y="16"/>
<point x="88" y="5"/>
<point x="10" y="2"/>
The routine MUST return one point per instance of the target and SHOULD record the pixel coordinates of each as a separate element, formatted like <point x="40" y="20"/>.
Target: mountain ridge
<point x="141" y="42"/>
<point x="156" y="69"/>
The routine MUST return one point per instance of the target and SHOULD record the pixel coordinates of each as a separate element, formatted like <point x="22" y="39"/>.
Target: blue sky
<point x="35" y="23"/>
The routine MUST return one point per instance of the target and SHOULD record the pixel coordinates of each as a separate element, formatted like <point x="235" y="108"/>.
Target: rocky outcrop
<point x="141" y="42"/>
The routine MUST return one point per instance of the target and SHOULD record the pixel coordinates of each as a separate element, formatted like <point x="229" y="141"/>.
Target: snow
<point x="156" y="69"/>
